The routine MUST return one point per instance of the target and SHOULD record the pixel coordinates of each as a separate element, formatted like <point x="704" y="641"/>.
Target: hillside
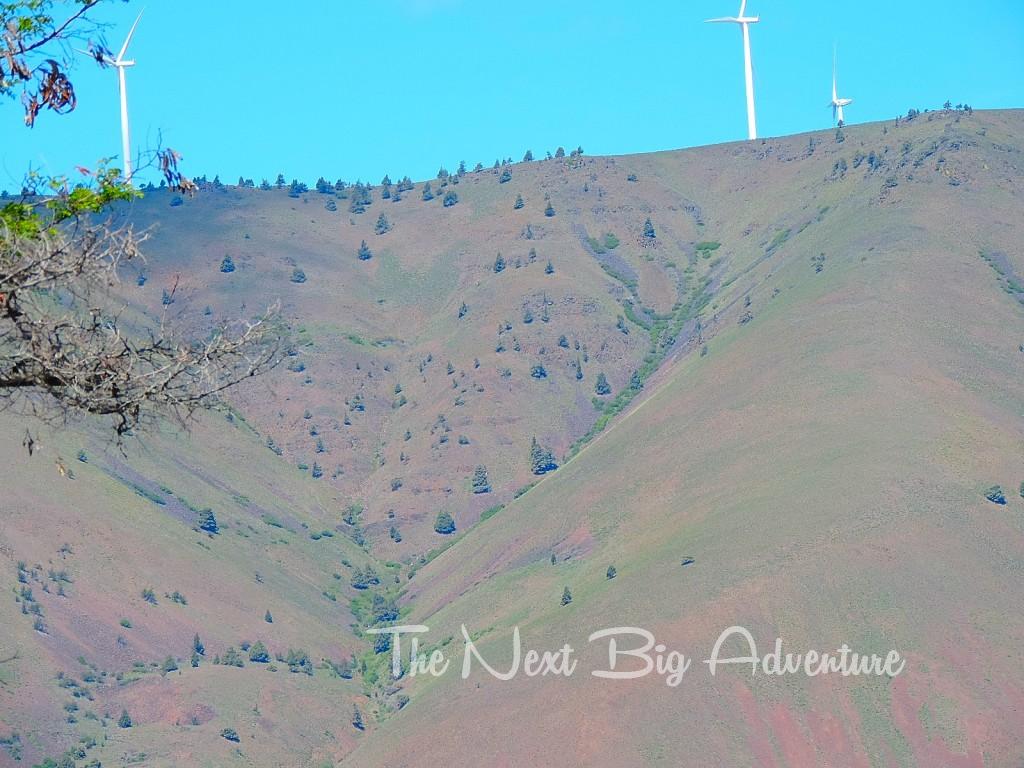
<point x="814" y="366"/>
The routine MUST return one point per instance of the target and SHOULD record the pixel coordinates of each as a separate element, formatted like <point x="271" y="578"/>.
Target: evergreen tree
<point x="267" y="617"/>
<point x="635" y="382"/>
<point x="566" y="596"/>
<point x="541" y="459"/>
<point x="357" y="718"/>
<point x="124" y="721"/>
<point x="427" y="193"/>
<point x="169" y="665"/>
<point x="258" y="653"/>
<point x="208" y="522"/>
<point x="463" y="310"/>
<point x="649" y="229"/>
<point x="444" y="523"/>
<point x="602" y="387"/>
<point x="528" y="156"/>
<point x="382" y="225"/>
<point x="298" y="276"/>
<point x="227" y="265"/>
<point x="611" y="573"/>
<point x="450" y="198"/>
<point x="560" y="153"/>
<point x="365" y="254"/>
<point x="499" y="264"/>
<point x="506" y="175"/>
<point x="549" y="211"/>
<point x="480" y="482"/>
<point x="280" y="181"/>
<point x="197" y="645"/>
<point x="550" y="268"/>
<point x="538" y="372"/>
<point x="518" y="203"/>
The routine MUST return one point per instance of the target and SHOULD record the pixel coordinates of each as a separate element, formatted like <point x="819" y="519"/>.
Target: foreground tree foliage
<point x="66" y="344"/>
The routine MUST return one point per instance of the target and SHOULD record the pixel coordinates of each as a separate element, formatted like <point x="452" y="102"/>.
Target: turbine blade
<point x="720" y="20"/>
<point x="743" y="7"/>
<point x="128" y="39"/>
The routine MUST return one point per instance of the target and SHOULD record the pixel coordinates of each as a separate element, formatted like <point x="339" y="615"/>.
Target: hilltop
<point x="812" y="353"/>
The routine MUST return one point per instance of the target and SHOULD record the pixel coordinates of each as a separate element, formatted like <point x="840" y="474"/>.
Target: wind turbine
<point x="837" y="104"/>
<point x="745" y="22"/>
<point x="121" y="64"/>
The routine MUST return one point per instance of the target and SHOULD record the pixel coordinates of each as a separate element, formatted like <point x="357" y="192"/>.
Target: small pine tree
<point x="528" y="157"/>
<point x="518" y="203"/>
<point x="635" y="382"/>
<point x="169" y="665"/>
<point x="357" y="718"/>
<point x="365" y="254"/>
<point x="499" y="263"/>
<point x="541" y="459"/>
<point x="450" y="198"/>
<point x="382" y="225"/>
<point x="649" y="230"/>
<point x="427" y="192"/>
<point x="506" y="175"/>
<point x="463" y="310"/>
<point x="267" y="617"/>
<point x="611" y="573"/>
<point x="208" y="522"/>
<point x="227" y="265"/>
<point x="445" y="523"/>
<point x="124" y="721"/>
<point x="566" y="596"/>
<point x="298" y="276"/>
<point x="258" y="653"/>
<point x="480" y="482"/>
<point x="549" y="211"/>
<point x="602" y="387"/>
<point x="550" y="268"/>
<point x="197" y="645"/>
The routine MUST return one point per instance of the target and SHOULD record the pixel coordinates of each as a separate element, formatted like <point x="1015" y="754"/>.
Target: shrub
<point x="549" y="211"/>
<point x="365" y="254"/>
<point x="126" y="623"/>
<point x="169" y="665"/>
<point x="298" y="276"/>
<point x="444" y="524"/>
<point x="538" y="372"/>
<point x="149" y="596"/>
<point x="995" y="495"/>
<point x="230" y="734"/>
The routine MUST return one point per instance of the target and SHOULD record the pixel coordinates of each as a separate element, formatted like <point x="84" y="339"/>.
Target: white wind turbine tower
<point x="745" y="22"/>
<point x="121" y="64"/>
<point x="837" y="104"/>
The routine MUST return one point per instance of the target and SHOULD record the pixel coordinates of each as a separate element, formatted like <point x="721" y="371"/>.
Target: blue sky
<point x="357" y="90"/>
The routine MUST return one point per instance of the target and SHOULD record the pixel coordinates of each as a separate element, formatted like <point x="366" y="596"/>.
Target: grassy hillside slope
<point x="824" y="464"/>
